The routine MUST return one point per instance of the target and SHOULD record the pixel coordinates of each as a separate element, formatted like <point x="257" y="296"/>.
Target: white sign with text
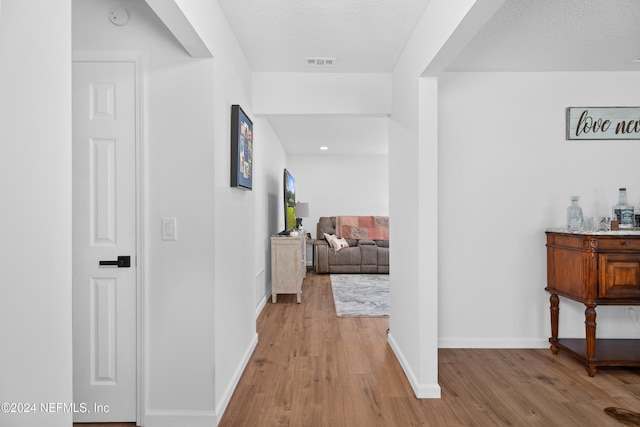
<point x="603" y="123"/>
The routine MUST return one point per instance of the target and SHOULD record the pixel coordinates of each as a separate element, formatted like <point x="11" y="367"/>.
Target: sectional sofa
<point x="355" y="253"/>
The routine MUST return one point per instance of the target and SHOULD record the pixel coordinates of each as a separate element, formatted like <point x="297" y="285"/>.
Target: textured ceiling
<point x="363" y="35"/>
<point x="557" y="35"/>
<point x="369" y="35"/>
<point x="342" y="135"/>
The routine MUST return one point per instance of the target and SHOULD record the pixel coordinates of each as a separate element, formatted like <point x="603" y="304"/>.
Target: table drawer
<point x="619" y="244"/>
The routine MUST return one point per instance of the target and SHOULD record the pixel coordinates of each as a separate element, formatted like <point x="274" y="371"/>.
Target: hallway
<point x="311" y="368"/>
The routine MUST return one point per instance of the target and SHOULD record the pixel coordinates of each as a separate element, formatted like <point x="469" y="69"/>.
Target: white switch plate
<point x="169" y="231"/>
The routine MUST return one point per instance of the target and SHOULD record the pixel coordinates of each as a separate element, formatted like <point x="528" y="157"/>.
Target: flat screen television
<point x="289" y="201"/>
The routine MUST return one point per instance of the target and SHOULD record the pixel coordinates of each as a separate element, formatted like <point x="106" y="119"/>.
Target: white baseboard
<point x="180" y="418"/>
<point x="422" y="391"/>
<point x="261" y="291"/>
<point x="261" y="306"/>
<point x="235" y="379"/>
<point x="173" y="418"/>
<point x="493" y="343"/>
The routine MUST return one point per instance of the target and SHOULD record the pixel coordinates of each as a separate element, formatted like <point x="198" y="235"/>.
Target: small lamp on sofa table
<point x="302" y="211"/>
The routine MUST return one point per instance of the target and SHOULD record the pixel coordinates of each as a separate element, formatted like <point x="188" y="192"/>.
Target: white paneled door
<point x="104" y="242"/>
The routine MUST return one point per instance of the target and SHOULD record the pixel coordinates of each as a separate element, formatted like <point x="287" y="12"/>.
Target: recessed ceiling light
<point x="324" y="148"/>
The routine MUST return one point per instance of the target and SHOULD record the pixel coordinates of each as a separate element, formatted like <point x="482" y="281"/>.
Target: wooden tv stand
<point x="594" y="268"/>
<point x="288" y="265"/>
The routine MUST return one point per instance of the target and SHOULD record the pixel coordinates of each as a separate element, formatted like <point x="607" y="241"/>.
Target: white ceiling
<point x="369" y="35"/>
<point x="342" y="135"/>
<point x="557" y="35"/>
<point x="363" y="35"/>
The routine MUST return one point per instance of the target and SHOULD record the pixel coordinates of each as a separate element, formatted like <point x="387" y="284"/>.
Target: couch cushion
<point x="325" y="225"/>
<point x="369" y="255"/>
<point x="383" y="257"/>
<point x="347" y="256"/>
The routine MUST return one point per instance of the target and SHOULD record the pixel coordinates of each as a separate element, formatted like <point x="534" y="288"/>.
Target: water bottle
<point x="574" y="215"/>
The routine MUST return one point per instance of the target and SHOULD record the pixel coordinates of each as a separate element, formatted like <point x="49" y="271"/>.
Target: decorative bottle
<point x="574" y="215"/>
<point x="623" y="211"/>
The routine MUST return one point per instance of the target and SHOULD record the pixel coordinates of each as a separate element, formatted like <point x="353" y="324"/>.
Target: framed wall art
<point x="241" y="149"/>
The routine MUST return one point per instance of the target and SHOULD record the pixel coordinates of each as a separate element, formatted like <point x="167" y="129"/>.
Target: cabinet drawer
<point x="619" y="244"/>
<point x="619" y="276"/>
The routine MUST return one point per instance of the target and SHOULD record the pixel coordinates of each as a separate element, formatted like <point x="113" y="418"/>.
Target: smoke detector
<point x="119" y="16"/>
<point x="316" y="61"/>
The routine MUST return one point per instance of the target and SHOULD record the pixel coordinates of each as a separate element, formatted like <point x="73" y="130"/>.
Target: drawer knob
<point x="625" y="243"/>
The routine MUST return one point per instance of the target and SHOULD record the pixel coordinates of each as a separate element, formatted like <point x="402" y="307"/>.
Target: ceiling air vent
<point x="315" y="61"/>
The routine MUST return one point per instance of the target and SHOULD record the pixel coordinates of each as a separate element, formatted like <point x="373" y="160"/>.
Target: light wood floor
<point x="311" y="368"/>
<point x="104" y="424"/>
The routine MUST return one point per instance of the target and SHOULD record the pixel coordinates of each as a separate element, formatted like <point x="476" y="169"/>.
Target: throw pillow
<point x="329" y="238"/>
<point x="338" y="244"/>
<point x="335" y="243"/>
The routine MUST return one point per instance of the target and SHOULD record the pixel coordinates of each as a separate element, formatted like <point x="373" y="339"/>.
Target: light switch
<point x="169" y="229"/>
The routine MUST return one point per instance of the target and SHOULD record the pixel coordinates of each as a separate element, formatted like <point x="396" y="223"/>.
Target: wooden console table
<point x="288" y="265"/>
<point x="594" y="268"/>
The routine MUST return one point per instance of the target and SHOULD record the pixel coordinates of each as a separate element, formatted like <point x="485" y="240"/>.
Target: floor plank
<point x="312" y="368"/>
<point x="104" y="424"/>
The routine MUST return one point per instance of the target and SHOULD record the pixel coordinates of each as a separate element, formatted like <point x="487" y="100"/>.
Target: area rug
<point x="361" y="295"/>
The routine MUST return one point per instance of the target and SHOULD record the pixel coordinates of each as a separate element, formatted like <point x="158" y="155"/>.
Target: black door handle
<point x="123" y="261"/>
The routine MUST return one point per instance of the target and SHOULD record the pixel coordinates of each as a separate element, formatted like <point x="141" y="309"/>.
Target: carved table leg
<point x="590" y="324"/>
<point x="555" y="310"/>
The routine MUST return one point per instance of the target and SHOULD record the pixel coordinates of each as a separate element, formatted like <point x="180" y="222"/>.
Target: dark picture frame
<point x="241" y="149"/>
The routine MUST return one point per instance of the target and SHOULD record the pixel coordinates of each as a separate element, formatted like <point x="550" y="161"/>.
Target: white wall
<point x="201" y="290"/>
<point x="35" y="183"/>
<point x="500" y="300"/>
<point x="443" y="30"/>
<point x="340" y="185"/>
<point x="179" y="182"/>
<point x="235" y="210"/>
<point x="414" y="308"/>
<point x="507" y="174"/>
<point x="271" y="160"/>
<point x="322" y="93"/>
